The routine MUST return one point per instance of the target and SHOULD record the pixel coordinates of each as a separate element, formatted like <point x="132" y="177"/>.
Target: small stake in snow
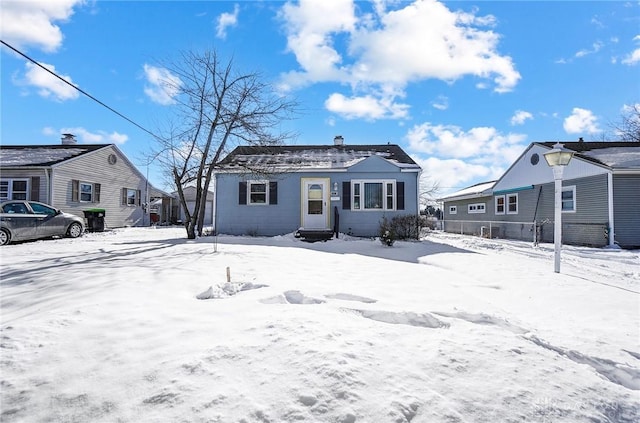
<point x="228" y="275"/>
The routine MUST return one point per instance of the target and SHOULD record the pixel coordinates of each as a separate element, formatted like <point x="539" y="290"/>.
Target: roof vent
<point x="338" y="140"/>
<point x="69" y="139"/>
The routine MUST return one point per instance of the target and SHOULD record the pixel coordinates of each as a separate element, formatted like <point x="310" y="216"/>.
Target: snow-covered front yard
<point x="108" y="328"/>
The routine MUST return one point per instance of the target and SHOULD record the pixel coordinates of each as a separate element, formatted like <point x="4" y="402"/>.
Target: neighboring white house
<point x="78" y="177"/>
<point x="190" y="197"/>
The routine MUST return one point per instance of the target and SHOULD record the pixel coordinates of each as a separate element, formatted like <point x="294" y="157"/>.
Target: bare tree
<point x="428" y="191"/>
<point x="628" y="128"/>
<point x="218" y="109"/>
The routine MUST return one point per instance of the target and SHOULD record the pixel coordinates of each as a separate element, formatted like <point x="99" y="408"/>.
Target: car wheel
<point x="75" y="230"/>
<point x="5" y="237"/>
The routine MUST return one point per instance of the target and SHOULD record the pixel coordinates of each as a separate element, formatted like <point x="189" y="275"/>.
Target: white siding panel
<point x="524" y="173"/>
<point x="94" y="167"/>
<point x="208" y="212"/>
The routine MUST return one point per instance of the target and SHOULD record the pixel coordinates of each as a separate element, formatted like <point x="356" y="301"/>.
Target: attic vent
<point x="338" y="140"/>
<point x="69" y="139"/>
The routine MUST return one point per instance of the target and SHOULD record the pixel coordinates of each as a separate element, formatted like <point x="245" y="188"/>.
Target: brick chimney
<point x="69" y="139"/>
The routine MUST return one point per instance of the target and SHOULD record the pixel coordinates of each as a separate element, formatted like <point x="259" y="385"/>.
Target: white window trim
<point x="575" y="206"/>
<point x="506" y="204"/>
<point x="135" y="197"/>
<point x="93" y="192"/>
<point x="477" y="208"/>
<point x="453" y="209"/>
<point x="10" y="191"/>
<point x="384" y="183"/>
<point x="266" y="192"/>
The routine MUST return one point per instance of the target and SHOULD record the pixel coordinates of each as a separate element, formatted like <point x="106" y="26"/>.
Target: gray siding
<point x="95" y="168"/>
<point x="285" y="216"/>
<point x="585" y="226"/>
<point x="626" y="210"/>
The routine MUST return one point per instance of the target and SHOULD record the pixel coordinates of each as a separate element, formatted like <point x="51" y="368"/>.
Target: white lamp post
<point x="558" y="158"/>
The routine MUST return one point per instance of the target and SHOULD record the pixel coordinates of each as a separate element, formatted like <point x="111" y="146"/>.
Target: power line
<point x="80" y="90"/>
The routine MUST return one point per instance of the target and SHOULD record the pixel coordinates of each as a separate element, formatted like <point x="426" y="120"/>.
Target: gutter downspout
<point x="610" y="200"/>
<point x="48" y="174"/>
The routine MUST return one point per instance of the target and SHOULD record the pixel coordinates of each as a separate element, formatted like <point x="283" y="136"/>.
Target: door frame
<point x="326" y="182"/>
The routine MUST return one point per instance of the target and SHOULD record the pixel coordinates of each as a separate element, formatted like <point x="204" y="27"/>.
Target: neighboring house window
<point x="373" y="195"/>
<point x="258" y="192"/>
<point x="569" y="199"/>
<point x="476" y="208"/>
<point x="500" y="209"/>
<point x="512" y="204"/>
<point x="13" y="189"/>
<point x="85" y="192"/>
<point x="453" y="209"/>
<point x="130" y="197"/>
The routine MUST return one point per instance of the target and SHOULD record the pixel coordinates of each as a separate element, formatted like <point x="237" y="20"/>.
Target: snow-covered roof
<point x="477" y="190"/>
<point x="613" y="154"/>
<point x="306" y="157"/>
<point x="42" y="155"/>
<point x="617" y="157"/>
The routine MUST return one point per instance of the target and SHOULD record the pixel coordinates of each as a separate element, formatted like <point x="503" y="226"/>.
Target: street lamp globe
<point x="558" y="158"/>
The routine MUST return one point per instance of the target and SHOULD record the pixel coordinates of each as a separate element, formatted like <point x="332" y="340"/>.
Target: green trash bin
<point x="95" y="219"/>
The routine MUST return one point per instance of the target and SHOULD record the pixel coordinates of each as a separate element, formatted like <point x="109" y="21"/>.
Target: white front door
<point x="315" y="203"/>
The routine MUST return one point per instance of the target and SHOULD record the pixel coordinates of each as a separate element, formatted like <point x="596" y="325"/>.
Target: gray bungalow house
<point x="314" y="190"/>
<point x="600" y="198"/>
<point x="77" y="177"/>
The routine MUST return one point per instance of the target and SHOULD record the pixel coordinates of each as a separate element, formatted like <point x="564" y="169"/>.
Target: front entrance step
<point x="313" y="235"/>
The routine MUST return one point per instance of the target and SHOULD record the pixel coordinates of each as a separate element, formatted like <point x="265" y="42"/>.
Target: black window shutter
<point x="75" y="189"/>
<point x="96" y="193"/>
<point x="346" y="195"/>
<point x="124" y="196"/>
<point x="400" y="199"/>
<point x="273" y="192"/>
<point x="242" y="193"/>
<point x="35" y="188"/>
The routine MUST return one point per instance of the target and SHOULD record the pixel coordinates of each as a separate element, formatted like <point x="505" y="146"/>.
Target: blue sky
<point x="462" y="86"/>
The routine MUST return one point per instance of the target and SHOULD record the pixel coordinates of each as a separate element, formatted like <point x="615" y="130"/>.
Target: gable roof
<point x="43" y="155"/>
<point x="306" y="157"/>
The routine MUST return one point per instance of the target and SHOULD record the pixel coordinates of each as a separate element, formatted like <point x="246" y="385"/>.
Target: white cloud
<point x="162" y="86"/>
<point x="85" y="136"/>
<point x="595" y="47"/>
<point x="33" y="22"/>
<point x="48" y="86"/>
<point x="581" y="121"/>
<point x="444" y="45"/>
<point x="48" y="131"/>
<point x="457" y="158"/>
<point x="441" y="103"/>
<point x="633" y="58"/>
<point x="226" y="20"/>
<point x="484" y="144"/>
<point x="453" y="174"/>
<point x="365" y="107"/>
<point x="520" y="117"/>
